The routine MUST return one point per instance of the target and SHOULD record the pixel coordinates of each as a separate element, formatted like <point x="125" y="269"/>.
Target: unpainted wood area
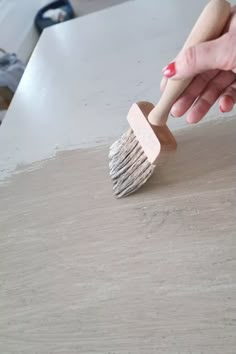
<point x="84" y="273"/>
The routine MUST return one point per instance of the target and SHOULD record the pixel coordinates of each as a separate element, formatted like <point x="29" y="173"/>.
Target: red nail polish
<point x="221" y="109"/>
<point x="169" y="70"/>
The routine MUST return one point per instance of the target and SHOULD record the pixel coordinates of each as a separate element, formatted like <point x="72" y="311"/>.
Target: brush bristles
<point x="129" y="166"/>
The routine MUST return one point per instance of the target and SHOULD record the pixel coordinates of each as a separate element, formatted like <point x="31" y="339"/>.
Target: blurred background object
<point x="53" y="13"/>
<point x="11" y="71"/>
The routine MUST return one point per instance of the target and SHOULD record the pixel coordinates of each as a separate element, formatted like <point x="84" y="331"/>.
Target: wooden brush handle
<point x="209" y="26"/>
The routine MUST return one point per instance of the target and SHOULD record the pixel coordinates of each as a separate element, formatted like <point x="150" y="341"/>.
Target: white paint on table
<point x="84" y="75"/>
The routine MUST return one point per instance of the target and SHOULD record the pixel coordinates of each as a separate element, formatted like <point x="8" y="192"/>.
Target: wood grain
<point x="81" y="272"/>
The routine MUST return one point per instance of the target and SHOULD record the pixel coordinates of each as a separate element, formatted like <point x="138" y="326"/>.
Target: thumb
<point x="216" y="54"/>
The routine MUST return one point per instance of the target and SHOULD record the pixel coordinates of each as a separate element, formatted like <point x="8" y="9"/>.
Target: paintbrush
<point x="133" y="158"/>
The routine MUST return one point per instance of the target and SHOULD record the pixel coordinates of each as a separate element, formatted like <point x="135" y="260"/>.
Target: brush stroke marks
<point x="82" y="272"/>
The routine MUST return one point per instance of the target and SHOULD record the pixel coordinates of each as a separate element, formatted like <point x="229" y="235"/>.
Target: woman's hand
<point x="213" y="66"/>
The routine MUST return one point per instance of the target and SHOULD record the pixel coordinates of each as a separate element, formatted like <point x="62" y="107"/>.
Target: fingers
<point x="217" y="54"/>
<point x="163" y="83"/>
<point x="231" y="26"/>
<point x="209" y="96"/>
<point x="228" y="98"/>
<point x="192" y="92"/>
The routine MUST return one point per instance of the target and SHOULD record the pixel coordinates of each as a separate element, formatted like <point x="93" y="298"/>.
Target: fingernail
<point x="173" y="111"/>
<point x="164" y="69"/>
<point x="169" y="70"/>
<point x="221" y="109"/>
<point x="172" y="114"/>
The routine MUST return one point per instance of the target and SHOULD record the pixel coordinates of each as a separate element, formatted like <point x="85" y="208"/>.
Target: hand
<point x="213" y="66"/>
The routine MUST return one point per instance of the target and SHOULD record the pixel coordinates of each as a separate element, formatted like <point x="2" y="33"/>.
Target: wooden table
<point x="81" y="272"/>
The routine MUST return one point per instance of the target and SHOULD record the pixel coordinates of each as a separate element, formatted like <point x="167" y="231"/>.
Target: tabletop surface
<point x="80" y="271"/>
<point x="85" y="74"/>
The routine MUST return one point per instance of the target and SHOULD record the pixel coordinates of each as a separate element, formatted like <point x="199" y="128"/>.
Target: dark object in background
<point x="11" y="71"/>
<point x="45" y="16"/>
